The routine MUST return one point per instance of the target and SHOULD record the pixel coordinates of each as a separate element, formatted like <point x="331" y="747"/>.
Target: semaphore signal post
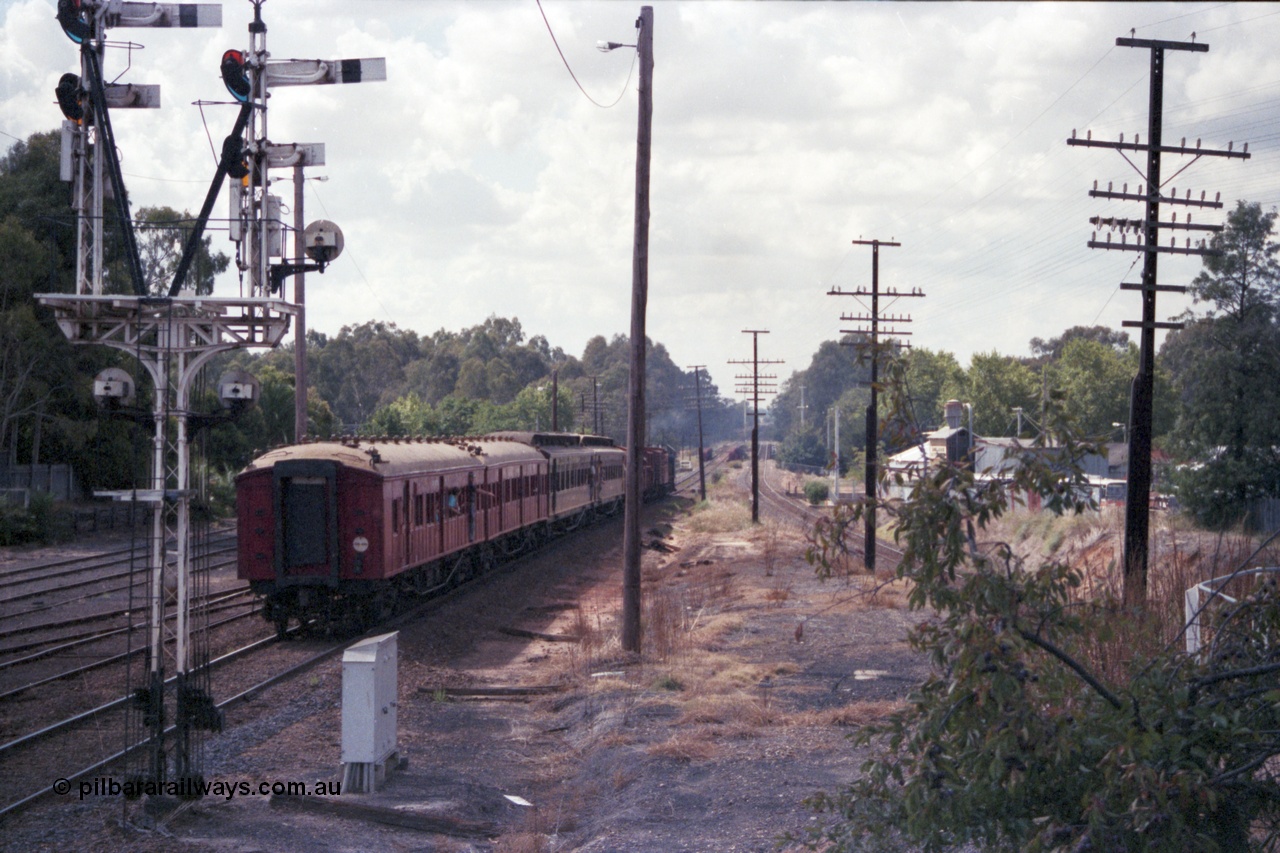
<point x="174" y="335"/>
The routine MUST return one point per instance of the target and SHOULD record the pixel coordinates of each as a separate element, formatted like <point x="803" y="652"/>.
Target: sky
<point x="480" y="180"/>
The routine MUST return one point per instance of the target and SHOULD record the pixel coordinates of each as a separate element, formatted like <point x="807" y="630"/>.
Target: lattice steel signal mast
<point x="256" y="226"/>
<point x="173" y="337"/>
<point x="92" y="168"/>
<point x="1147" y="240"/>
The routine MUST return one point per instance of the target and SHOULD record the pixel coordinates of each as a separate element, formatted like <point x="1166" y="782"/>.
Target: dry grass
<point x="521" y="842"/>
<point x="598" y="642"/>
<point x="768" y="538"/>
<point x="686" y="746"/>
<point x="857" y="713"/>
<point x="1180" y="557"/>
<point x="666" y="624"/>
<point x="888" y="594"/>
<point x="719" y="517"/>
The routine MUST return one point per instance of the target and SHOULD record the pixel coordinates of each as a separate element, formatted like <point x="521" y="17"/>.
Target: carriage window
<point x="305" y="521"/>
<point x="419" y="510"/>
<point x="395" y="515"/>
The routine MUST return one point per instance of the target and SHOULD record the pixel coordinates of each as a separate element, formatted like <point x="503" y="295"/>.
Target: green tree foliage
<point x="835" y="369"/>
<point x="932" y="379"/>
<point x="804" y="448"/>
<point x="46" y="409"/>
<point x="162" y="235"/>
<point x="1053" y="349"/>
<point x="996" y="385"/>
<point x="1223" y="366"/>
<point x="1094" y="379"/>
<point x="1016" y="741"/>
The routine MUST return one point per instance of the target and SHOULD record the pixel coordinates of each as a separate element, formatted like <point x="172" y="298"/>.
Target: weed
<point x="685" y="747"/>
<point x="665" y="624"/>
<point x="668" y="682"/>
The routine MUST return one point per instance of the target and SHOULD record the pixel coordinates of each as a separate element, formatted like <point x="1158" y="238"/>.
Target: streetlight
<point x="639" y="297"/>
<point x="1125" y="434"/>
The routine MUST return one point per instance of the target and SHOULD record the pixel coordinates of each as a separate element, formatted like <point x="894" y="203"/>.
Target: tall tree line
<point x="1217" y="404"/>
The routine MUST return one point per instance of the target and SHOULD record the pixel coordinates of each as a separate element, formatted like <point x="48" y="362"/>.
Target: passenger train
<point x="339" y="532"/>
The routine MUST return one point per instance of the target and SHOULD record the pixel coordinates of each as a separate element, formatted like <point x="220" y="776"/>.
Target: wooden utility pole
<point x="873" y="414"/>
<point x="702" y="470"/>
<point x="755" y="389"/>
<point x="555" y="400"/>
<point x="1137" y="513"/>
<point x="631" y="633"/>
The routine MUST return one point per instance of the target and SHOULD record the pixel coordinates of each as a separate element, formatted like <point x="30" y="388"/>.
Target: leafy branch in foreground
<point x="1015" y="741"/>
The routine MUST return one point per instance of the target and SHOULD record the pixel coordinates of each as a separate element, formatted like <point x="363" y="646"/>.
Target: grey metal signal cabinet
<point x="369" y="685"/>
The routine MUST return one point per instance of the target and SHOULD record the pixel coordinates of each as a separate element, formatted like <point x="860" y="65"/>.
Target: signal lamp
<point x="233" y="76"/>
<point x="68" y="92"/>
<point x="233" y="157"/>
<point x="74" y="20"/>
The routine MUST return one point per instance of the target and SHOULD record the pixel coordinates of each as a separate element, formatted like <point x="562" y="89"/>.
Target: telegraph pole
<point x="755" y="389"/>
<point x="555" y="400"/>
<point x="631" y="634"/>
<point x="702" y="471"/>
<point x="1146" y="240"/>
<point x="873" y="415"/>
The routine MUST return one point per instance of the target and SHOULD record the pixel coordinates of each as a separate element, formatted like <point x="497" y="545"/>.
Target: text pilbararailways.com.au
<point x="106" y="786"/>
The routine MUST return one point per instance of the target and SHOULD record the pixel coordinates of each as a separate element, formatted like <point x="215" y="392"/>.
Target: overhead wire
<point x="1057" y="264"/>
<point x="556" y="42"/>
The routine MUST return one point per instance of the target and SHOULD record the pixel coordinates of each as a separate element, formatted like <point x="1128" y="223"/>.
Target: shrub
<point x="816" y="491"/>
<point x="1014" y="743"/>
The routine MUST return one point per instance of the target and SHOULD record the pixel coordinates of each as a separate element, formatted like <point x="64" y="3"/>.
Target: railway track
<point x="97" y="733"/>
<point x="688" y="480"/>
<point x="93" y="573"/>
<point x="41" y="754"/>
<point x="781" y="504"/>
<point x="93" y="731"/>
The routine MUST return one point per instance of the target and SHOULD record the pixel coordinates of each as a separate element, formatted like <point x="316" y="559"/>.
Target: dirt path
<point x="753" y="675"/>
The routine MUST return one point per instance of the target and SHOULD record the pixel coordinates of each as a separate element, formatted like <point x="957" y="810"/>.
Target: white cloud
<point x="478" y="180"/>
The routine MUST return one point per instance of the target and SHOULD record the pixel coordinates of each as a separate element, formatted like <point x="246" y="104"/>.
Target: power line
<point x="575" y="76"/>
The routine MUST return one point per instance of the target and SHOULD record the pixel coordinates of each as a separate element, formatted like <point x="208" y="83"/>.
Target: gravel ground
<point x="751" y="680"/>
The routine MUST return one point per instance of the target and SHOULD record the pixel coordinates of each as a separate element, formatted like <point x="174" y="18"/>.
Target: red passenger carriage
<point x="340" y="530"/>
